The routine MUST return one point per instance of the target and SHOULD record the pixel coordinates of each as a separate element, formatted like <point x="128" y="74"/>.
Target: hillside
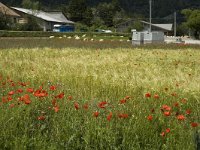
<point x="161" y="8"/>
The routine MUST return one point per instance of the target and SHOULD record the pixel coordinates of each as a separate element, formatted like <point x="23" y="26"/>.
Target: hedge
<point x="4" y="33"/>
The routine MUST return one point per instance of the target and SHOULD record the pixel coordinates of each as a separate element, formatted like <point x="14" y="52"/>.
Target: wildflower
<point x="96" y="114"/>
<point x="167" y="130"/>
<point x="41" y="118"/>
<point x="123" y="101"/>
<point x="109" y="116"/>
<point x="166" y="107"/>
<point x="167" y="113"/>
<point x="54" y="102"/>
<point x="52" y="88"/>
<point x="173" y="94"/>
<point x="12" y="105"/>
<point x="153" y="110"/>
<point x="183" y="101"/>
<point x="150" y="117"/>
<point x="156" y="96"/>
<point x="56" y="108"/>
<point x="123" y="115"/>
<point x="147" y="95"/>
<point x="9" y="98"/>
<point x="181" y="117"/>
<point x="25" y="99"/>
<point x="162" y="134"/>
<point x="40" y="93"/>
<point x="29" y="90"/>
<point x="11" y="93"/>
<point x="60" y="96"/>
<point x="76" y="105"/>
<point x="194" y="124"/>
<point x="70" y="97"/>
<point x="102" y="104"/>
<point x="188" y="111"/>
<point x="85" y="106"/>
<point x="176" y="104"/>
<point x="19" y="91"/>
<point x="127" y="97"/>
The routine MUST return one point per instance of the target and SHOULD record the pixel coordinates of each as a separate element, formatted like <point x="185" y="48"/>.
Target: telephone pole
<point x="175" y="24"/>
<point x="150" y="3"/>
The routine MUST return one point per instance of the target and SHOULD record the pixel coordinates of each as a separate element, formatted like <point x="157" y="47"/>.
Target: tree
<point x="193" y="20"/>
<point x="34" y="5"/>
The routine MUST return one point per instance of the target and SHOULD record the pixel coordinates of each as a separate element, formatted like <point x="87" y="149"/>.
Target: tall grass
<point x="91" y="76"/>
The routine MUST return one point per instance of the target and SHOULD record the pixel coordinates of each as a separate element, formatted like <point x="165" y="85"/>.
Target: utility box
<point x="140" y="38"/>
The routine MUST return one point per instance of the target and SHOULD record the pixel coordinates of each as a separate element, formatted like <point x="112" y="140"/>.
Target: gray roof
<point x="48" y="16"/>
<point x="167" y="27"/>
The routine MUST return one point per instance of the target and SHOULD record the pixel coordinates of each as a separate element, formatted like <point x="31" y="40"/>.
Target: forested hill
<point x="161" y="8"/>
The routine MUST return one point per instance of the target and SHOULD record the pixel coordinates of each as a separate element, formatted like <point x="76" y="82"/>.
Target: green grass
<point x="90" y="76"/>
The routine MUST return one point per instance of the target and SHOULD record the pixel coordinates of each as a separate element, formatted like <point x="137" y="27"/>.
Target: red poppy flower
<point x="153" y="110"/>
<point x="11" y="93"/>
<point x="60" y="96"/>
<point x="181" y="117"/>
<point x="194" y="124"/>
<point x="127" y="97"/>
<point x="109" y="116"/>
<point x="40" y="93"/>
<point x="167" y="130"/>
<point x="162" y="134"/>
<point x="102" y="104"/>
<point x="167" y="113"/>
<point x="54" y="102"/>
<point x="70" y="97"/>
<point x="173" y="94"/>
<point x="188" y="111"/>
<point x="30" y="90"/>
<point x="76" y="105"/>
<point x="147" y="95"/>
<point x="19" y="91"/>
<point x="22" y="84"/>
<point x="123" y="101"/>
<point x="85" y="106"/>
<point x="150" y="117"/>
<point x="166" y="107"/>
<point x="12" y="105"/>
<point x="9" y="98"/>
<point x="156" y="96"/>
<point x="176" y="104"/>
<point x="56" y="108"/>
<point x="123" y="115"/>
<point x="183" y="101"/>
<point x="41" y="118"/>
<point x="96" y="114"/>
<point x="52" y="88"/>
<point x="25" y="99"/>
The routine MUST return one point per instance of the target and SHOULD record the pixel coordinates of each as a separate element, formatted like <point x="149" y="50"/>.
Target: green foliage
<point x="90" y="77"/>
<point x="34" y="5"/>
<point x="80" y="12"/>
<point x="193" y="20"/>
<point x="31" y="25"/>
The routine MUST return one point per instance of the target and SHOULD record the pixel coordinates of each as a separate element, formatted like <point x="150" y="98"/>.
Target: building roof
<point x="7" y="11"/>
<point x="167" y="27"/>
<point x="48" y="16"/>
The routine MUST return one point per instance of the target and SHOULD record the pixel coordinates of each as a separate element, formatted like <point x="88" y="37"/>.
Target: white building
<point x="46" y="20"/>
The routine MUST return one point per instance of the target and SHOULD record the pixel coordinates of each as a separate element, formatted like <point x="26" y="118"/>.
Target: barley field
<point x="117" y="98"/>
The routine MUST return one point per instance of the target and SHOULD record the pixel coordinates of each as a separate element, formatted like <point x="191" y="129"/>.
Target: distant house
<point x="46" y="20"/>
<point x="157" y="27"/>
<point x="166" y="28"/>
<point x="8" y="13"/>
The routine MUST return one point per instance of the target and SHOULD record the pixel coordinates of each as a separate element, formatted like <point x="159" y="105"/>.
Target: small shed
<point x="140" y="38"/>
